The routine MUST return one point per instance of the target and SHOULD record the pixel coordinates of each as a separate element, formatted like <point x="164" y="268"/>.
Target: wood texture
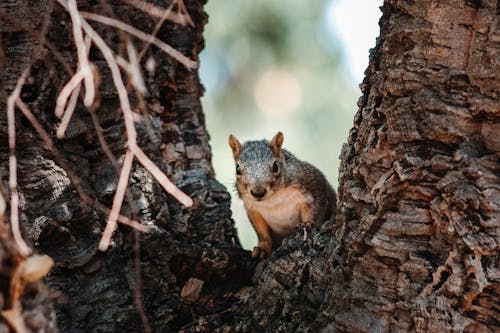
<point x="93" y="291"/>
<point x="414" y="247"/>
<point x="419" y="187"/>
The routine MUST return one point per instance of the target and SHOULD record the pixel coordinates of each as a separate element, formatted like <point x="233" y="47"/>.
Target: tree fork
<point x="415" y="244"/>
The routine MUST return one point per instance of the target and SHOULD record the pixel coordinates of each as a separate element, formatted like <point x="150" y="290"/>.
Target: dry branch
<point x="128" y="117"/>
<point x="72" y="88"/>
<point x="82" y="53"/>
<point x="159" y="12"/>
<point x="68" y="113"/>
<point x="14" y="199"/>
<point x="67" y="90"/>
<point x="166" y="14"/>
<point x="188" y="63"/>
<point x="74" y="179"/>
<point x="117" y="201"/>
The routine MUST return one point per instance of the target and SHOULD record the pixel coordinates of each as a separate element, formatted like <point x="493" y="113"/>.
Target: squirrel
<point x="279" y="191"/>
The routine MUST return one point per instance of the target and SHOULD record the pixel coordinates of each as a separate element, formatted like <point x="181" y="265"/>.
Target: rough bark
<point x="415" y="243"/>
<point x="415" y="247"/>
<point x="420" y="187"/>
<point x="93" y="291"/>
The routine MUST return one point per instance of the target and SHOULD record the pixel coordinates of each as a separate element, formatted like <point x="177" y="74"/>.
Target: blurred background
<point x="292" y="66"/>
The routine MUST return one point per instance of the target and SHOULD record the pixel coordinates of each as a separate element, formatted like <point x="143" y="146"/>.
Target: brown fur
<point x="279" y="191"/>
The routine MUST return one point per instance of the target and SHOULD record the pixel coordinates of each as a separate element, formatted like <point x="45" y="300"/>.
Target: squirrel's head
<point x="259" y="166"/>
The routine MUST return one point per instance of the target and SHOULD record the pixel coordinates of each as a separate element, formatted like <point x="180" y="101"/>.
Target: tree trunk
<point x="415" y="243"/>
<point x="419" y="187"/>
<point x="415" y="246"/>
<point x="111" y="291"/>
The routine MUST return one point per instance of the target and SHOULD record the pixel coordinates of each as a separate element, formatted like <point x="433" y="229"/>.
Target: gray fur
<point x="256" y="161"/>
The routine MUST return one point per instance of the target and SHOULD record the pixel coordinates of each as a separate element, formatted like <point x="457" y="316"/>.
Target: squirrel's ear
<point x="276" y="143"/>
<point x="235" y="146"/>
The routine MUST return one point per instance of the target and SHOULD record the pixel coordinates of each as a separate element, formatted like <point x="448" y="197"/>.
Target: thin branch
<point x="128" y="115"/>
<point x="102" y="140"/>
<point x="24" y="249"/>
<point x="117" y="79"/>
<point x="61" y="129"/>
<point x="67" y="90"/>
<point x="82" y="53"/>
<point x="184" y="13"/>
<point x="14" y="195"/>
<point x="161" y="177"/>
<point x="188" y="63"/>
<point x="138" y="284"/>
<point x="117" y="201"/>
<point x="166" y="14"/>
<point x="75" y="180"/>
<point x="59" y="57"/>
<point x="129" y="119"/>
<point x="156" y="11"/>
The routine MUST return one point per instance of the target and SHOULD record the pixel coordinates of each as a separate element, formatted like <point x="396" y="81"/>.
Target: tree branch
<point x="24" y="249"/>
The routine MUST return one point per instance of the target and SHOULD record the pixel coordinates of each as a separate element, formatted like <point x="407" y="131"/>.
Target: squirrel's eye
<point x="238" y="169"/>
<point x="276" y="167"/>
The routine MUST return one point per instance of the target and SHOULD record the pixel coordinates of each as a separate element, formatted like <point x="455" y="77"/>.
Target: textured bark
<point x="93" y="291"/>
<point x="419" y="187"/>
<point x="415" y="246"/>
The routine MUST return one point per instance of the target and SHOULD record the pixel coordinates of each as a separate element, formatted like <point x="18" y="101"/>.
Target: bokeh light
<point x="277" y="93"/>
<point x="291" y="66"/>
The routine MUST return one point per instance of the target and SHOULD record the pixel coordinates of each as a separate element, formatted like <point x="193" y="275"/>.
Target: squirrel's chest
<point x="282" y="210"/>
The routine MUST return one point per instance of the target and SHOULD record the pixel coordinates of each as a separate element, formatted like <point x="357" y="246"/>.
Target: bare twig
<point x="133" y="68"/>
<point x="166" y="14"/>
<point x="90" y="109"/>
<point x="128" y="115"/>
<point x="65" y="93"/>
<point x="161" y="177"/>
<point x="61" y="129"/>
<point x="75" y="180"/>
<point x="129" y="119"/>
<point x="102" y="140"/>
<point x="156" y="11"/>
<point x="82" y="53"/>
<point x="188" y="63"/>
<point x="184" y="13"/>
<point x="117" y="201"/>
<point x="138" y="284"/>
<point x="24" y="249"/>
<point x="14" y="195"/>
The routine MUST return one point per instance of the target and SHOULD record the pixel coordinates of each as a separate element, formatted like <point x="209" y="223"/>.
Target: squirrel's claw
<point x="259" y="253"/>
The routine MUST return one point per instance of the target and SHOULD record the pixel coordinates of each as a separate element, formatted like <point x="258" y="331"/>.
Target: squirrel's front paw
<point x="262" y="251"/>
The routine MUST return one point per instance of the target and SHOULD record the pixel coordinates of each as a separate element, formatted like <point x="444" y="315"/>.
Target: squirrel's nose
<point x="258" y="193"/>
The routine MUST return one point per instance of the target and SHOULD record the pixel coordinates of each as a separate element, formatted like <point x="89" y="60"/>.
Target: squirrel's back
<point x="313" y="181"/>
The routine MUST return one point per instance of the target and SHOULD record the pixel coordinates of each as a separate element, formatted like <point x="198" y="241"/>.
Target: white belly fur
<point x="281" y="210"/>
